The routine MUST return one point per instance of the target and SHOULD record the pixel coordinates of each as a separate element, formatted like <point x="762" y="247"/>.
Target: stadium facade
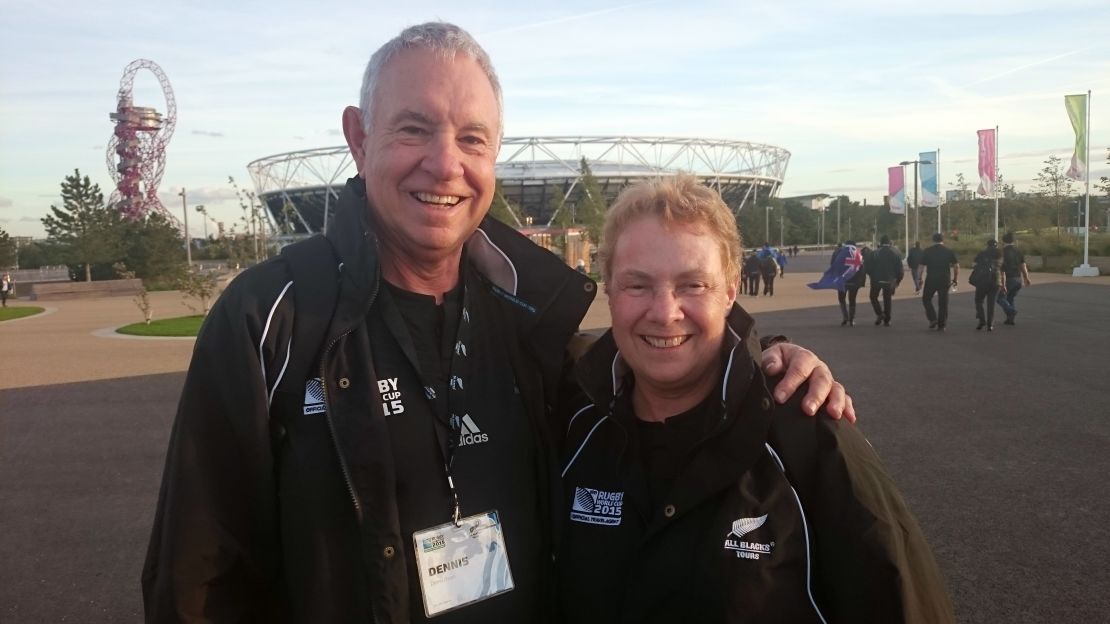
<point x="299" y="189"/>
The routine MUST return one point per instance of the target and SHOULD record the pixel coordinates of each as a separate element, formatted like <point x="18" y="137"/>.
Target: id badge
<point x="461" y="565"/>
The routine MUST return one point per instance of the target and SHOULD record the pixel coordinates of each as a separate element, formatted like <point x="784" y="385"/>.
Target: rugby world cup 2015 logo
<point x="597" y="506"/>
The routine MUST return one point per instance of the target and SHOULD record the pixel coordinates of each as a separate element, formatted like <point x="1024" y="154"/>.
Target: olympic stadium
<point x="299" y="189"/>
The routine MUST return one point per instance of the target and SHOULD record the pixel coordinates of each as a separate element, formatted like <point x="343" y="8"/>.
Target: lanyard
<point x="457" y="404"/>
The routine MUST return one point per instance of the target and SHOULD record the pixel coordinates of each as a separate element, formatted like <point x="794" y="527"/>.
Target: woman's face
<point x="669" y="298"/>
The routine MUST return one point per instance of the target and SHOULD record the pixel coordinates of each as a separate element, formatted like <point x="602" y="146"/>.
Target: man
<point x="408" y="473"/>
<point x="942" y="270"/>
<point x="753" y="269"/>
<point x="886" y="273"/>
<point x="7" y="286"/>
<point x="913" y="260"/>
<point x="1015" y="273"/>
<point x="771" y="264"/>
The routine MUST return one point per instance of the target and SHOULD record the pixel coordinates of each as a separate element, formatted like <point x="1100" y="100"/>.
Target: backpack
<point x="768" y="266"/>
<point x="984" y="273"/>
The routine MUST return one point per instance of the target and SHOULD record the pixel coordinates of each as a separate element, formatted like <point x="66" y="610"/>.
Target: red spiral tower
<point x="136" y="154"/>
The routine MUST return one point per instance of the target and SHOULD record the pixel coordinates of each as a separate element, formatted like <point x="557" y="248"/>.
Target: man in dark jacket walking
<point x="369" y="411"/>
<point x="1016" y="275"/>
<point x="942" y="270"/>
<point x="913" y="260"/>
<point x="886" y="273"/>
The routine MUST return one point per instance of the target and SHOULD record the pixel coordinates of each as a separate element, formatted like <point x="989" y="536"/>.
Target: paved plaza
<point x="1000" y="442"/>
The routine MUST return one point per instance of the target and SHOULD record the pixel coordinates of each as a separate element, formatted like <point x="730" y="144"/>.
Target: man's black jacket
<point x="268" y="513"/>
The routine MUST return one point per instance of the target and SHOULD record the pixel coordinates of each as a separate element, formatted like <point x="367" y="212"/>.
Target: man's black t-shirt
<point x="495" y="463"/>
<point x="938" y="261"/>
<point x="1012" y="259"/>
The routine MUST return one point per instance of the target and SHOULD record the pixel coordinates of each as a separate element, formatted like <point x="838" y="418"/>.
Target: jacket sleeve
<point x="871" y="546"/>
<point x="871" y="562"/>
<point x="214" y="552"/>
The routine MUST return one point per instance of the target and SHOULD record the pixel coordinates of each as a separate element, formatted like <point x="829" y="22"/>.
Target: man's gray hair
<point x="443" y="39"/>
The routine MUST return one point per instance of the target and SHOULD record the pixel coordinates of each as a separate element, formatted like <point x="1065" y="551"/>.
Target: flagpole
<point x="905" y="210"/>
<point x="996" y="185"/>
<point x="1086" y="270"/>
<point x="939" y="202"/>
<point x="1087" y="201"/>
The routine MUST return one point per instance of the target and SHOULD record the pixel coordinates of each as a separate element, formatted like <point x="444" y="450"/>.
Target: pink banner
<point x="896" y="189"/>
<point x="988" y="165"/>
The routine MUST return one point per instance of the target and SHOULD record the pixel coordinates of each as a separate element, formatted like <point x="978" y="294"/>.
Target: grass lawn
<point x="14" y="312"/>
<point x="180" y="326"/>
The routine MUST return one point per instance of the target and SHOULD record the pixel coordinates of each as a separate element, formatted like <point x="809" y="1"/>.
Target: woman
<point x="986" y="277"/>
<point x="690" y="494"/>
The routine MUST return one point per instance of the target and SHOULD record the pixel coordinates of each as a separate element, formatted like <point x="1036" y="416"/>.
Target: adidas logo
<point x="470" y="433"/>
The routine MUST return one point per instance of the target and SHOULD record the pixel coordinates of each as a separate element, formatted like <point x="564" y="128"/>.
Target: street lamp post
<point x="188" y="243"/>
<point x="838" y="239"/>
<point x="781" y="226"/>
<point x="767" y="224"/>
<point x="916" y="206"/>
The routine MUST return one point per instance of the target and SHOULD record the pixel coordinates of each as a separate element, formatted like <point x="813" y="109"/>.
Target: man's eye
<point x="413" y="130"/>
<point x="473" y="140"/>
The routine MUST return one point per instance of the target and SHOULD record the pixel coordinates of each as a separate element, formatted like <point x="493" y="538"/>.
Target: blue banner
<point x="930" y="195"/>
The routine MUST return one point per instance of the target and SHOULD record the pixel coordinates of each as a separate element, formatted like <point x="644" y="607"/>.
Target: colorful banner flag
<point x="930" y="194"/>
<point x="1077" y="111"/>
<point x="896" y="189"/>
<point x="988" y="166"/>
<point x="845" y="264"/>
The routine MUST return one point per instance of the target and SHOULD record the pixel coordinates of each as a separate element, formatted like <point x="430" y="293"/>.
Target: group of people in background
<point x="765" y="263"/>
<point x="997" y="275"/>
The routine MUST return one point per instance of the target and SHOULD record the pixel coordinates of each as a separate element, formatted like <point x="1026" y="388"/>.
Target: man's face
<point x="669" y="297"/>
<point x="428" y="159"/>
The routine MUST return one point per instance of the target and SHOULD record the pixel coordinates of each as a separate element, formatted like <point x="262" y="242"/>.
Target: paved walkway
<point x="69" y="345"/>
<point x="1000" y="442"/>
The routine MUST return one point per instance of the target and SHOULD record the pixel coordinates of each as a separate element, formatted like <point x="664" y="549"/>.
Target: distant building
<point x="958" y="195"/>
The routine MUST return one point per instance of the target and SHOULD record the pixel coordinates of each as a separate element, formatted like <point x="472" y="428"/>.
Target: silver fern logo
<point x="745" y="549"/>
<point x="743" y="526"/>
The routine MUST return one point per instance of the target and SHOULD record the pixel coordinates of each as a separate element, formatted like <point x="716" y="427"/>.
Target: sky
<point x="848" y="87"/>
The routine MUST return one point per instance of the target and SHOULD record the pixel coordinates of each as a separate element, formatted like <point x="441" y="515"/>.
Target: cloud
<point x="197" y="196"/>
<point x="39" y="219"/>
<point x="208" y="133"/>
<point x="5" y="202"/>
<point x="840" y="170"/>
<point x="333" y="132"/>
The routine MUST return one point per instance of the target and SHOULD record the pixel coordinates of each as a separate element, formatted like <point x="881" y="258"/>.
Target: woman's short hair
<point x="676" y="199"/>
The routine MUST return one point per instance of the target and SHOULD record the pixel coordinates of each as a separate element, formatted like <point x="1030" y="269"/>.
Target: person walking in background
<point x="986" y="277"/>
<point x="771" y="265"/>
<point x="1015" y="273"/>
<point x="7" y="286"/>
<point x="942" y="269"/>
<point x="752" y="271"/>
<point x="846" y="296"/>
<point x="886" y="274"/>
<point x="913" y="260"/>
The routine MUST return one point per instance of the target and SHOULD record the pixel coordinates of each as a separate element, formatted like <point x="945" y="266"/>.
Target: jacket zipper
<point x="335" y="438"/>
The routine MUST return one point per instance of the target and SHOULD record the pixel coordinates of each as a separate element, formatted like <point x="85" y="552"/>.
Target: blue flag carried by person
<point x="844" y="266"/>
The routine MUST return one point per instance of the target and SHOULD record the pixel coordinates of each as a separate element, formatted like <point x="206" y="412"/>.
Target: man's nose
<point x="665" y="306"/>
<point x="443" y="158"/>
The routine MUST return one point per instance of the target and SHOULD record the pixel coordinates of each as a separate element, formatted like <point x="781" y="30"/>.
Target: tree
<point x="154" y="249"/>
<point x="84" y="228"/>
<point x="7" y="250"/>
<point x="1054" y="186"/>
<point x="1104" y="182"/>
<point x="501" y="209"/>
<point x="591" y="206"/>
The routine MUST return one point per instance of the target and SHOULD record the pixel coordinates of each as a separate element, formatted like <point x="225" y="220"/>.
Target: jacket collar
<point x="601" y="372"/>
<point x="543" y="287"/>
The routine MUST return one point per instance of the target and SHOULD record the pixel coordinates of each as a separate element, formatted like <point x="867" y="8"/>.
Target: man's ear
<point x="355" y="135"/>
